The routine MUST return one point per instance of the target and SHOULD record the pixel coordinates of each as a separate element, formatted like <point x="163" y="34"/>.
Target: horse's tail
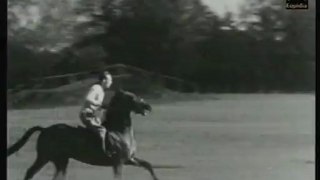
<point x="18" y="145"/>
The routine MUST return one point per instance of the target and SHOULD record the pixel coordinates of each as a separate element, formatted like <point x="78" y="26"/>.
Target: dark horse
<point x="58" y="143"/>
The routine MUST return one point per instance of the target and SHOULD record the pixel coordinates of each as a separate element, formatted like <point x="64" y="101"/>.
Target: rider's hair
<point x="103" y="75"/>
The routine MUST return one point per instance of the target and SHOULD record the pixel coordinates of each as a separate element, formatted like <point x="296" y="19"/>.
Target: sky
<point x="218" y="6"/>
<point x="221" y="6"/>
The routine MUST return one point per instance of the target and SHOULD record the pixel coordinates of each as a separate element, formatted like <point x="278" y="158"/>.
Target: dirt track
<point x="242" y="137"/>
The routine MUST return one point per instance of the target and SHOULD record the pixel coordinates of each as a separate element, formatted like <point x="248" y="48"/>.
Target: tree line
<point x="265" y="48"/>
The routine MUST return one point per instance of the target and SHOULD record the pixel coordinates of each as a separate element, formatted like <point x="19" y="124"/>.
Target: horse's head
<point x="129" y="102"/>
<point x="120" y="108"/>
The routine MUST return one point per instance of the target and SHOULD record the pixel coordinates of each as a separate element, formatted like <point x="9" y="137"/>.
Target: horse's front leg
<point x="142" y="163"/>
<point x="117" y="171"/>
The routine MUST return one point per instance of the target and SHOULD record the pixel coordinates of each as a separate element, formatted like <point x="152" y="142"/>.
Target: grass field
<point x="228" y="137"/>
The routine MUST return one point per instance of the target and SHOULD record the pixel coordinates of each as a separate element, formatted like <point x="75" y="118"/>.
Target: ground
<point x="227" y="137"/>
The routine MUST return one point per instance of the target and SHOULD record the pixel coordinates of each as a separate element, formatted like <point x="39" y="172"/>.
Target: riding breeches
<point x="92" y="122"/>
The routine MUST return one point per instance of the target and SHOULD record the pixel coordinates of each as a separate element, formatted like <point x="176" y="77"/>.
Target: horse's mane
<point x="117" y="116"/>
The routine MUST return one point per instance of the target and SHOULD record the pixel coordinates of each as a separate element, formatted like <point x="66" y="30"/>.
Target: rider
<point x="94" y="103"/>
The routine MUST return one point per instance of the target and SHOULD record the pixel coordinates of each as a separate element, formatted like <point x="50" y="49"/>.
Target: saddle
<point x="83" y="129"/>
<point x="87" y="135"/>
<point x="113" y="139"/>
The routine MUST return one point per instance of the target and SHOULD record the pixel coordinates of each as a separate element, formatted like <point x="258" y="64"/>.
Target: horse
<point x="59" y="143"/>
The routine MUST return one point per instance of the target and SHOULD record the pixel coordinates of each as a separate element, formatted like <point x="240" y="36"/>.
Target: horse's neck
<point x="119" y="122"/>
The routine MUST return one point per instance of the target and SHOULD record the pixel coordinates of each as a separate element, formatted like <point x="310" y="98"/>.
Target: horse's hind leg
<point x="142" y="163"/>
<point x="61" y="168"/>
<point x="35" y="167"/>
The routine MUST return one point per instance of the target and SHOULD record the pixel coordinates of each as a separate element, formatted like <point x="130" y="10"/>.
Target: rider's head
<point x="105" y="79"/>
